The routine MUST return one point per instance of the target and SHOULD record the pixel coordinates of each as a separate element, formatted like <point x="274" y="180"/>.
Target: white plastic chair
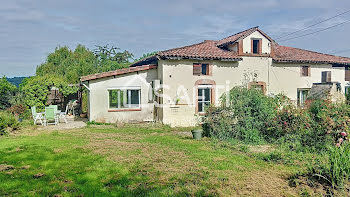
<point x="37" y="116"/>
<point x="63" y="115"/>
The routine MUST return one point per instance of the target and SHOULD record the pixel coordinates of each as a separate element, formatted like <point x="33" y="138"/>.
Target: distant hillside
<point x="16" y="80"/>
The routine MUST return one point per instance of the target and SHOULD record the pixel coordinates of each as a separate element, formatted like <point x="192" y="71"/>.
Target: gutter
<point x="86" y="86"/>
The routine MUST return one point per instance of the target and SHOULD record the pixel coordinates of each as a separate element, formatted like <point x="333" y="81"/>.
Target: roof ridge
<point x="204" y="41"/>
<point x="256" y="27"/>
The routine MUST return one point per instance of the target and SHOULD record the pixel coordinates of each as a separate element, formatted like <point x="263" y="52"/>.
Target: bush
<point x="315" y="127"/>
<point x="335" y="168"/>
<point x="290" y="120"/>
<point x="18" y="110"/>
<point x="7" y="120"/>
<point x="7" y="91"/>
<point x="252" y="117"/>
<point x="243" y="117"/>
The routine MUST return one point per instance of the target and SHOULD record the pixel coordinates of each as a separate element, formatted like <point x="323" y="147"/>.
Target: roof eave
<point x="118" y="72"/>
<point x="171" y="57"/>
<point x="144" y="60"/>
<point x="308" y="61"/>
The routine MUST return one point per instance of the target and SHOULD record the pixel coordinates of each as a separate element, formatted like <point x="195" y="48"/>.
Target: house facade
<point x="175" y="86"/>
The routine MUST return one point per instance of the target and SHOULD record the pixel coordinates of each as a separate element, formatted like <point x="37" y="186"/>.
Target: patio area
<point x="52" y="118"/>
<point x="72" y="123"/>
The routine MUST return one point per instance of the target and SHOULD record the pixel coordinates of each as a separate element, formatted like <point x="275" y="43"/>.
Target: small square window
<point x="305" y="71"/>
<point x="200" y="69"/>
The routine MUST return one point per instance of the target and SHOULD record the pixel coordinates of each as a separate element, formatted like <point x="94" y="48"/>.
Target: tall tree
<point x="69" y="64"/>
<point x="111" y="58"/>
<point x="73" y="64"/>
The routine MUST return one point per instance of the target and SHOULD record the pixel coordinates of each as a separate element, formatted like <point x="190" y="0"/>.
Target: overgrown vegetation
<point x="243" y="117"/>
<point x="334" y="166"/>
<point x="253" y="118"/>
<point x="8" y="122"/>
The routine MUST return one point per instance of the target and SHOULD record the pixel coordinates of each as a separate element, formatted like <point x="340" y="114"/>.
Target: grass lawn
<point x="134" y="161"/>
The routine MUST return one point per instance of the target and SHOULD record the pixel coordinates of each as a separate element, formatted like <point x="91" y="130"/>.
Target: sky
<point x="30" y="29"/>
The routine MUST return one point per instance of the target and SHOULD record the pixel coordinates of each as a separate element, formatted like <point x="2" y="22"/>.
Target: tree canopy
<point x="71" y="65"/>
<point x="65" y="66"/>
<point x="36" y="89"/>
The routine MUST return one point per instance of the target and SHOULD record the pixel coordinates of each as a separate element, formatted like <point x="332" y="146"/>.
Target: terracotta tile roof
<point x="290" y="54"/>
<point x="117" y="72"/>
<point x="211" y="49"/>
<point x="145" y="61"/>
<point x="203" y="50"/>
<point x="235" y="37"/>
<point x="241" y="35"/>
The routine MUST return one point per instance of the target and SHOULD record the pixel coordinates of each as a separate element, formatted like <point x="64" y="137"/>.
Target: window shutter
<point x="197" y="69"/>
<point x="305" y="71"/>
<point x="347" y="74"/>
<point x="326" y="77"/>
<point x="260" y="46"/>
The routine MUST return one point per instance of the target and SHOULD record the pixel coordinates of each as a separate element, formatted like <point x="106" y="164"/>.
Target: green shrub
<point x="18" y="110"/>
<point x="242" y="117"/>
<point x="314" y="127"/>
<point x="7" y="91"/>
<point x="275" y="156"/>
<point x="328" y="121"/>
<point x="290" y="120"/>
<point x="335" y="168"/>
<point x="7" y="120"/>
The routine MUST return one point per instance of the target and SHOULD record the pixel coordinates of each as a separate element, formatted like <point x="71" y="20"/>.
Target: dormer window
<point x="256" y="46"/>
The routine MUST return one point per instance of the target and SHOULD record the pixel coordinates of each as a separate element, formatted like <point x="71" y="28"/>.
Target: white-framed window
<point x="302" y="94"/>
<point x="124" y="98"/>
<point x="204" y="97"/>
